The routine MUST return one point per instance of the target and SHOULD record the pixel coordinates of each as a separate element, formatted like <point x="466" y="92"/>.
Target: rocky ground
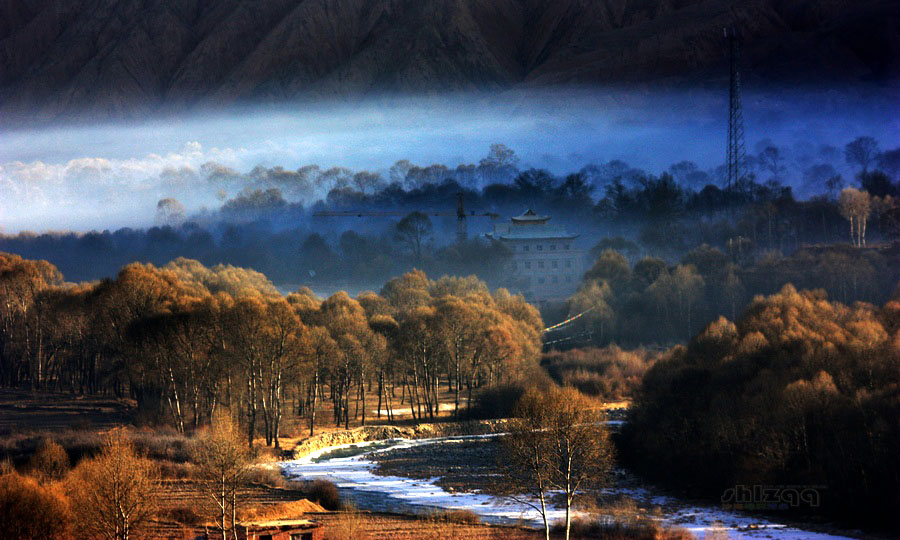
<point x="460" y="464"/>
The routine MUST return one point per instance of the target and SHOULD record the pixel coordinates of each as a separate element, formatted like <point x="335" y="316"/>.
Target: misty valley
<point x="429" y="269"/>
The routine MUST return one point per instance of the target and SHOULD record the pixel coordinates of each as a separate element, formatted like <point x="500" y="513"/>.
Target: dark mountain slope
<point x="120" y="57"/>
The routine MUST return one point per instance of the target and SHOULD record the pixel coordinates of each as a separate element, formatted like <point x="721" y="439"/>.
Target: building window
<point x="552" y="247"/>
<point x="528" y="265"/>
<point x="568" y="263"/>
<point x="568" y="278"/>
<point x="541" y="280"/>
<point x="554" y="264"/>
<point x="525" y="247"/>
<point x="540" y="247"/>
<point x="555" y="279"/>
<point x="567" y="246"/>
<point x="515" y="266"/>
<point x="540" y="264"/>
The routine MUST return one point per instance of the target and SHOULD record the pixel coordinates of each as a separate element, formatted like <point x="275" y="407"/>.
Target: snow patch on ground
<point x="354" y="473"/>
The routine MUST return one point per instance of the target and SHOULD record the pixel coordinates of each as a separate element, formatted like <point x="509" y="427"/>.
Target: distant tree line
<point x="799" y="391"/>
<point x="654" y="302"/>
<point x="266" y="218"/>
<point x="184" y="340"/>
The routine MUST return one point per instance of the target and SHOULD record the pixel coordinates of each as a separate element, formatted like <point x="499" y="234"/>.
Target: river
<point x="350" y="467"/>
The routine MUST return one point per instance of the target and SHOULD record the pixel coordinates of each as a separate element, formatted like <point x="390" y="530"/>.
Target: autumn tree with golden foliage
<point x="31" y="511"/>
<point x="799" y="391"/>
<point x="557" y="442"/>
<point x="223" y="462"/>
<point x="50" y="462"/>
<point x="114" y="494"/>
<point x="184" y="340"/>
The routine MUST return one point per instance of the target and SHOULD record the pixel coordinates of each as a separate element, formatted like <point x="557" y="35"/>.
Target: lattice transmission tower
<point x="736" y="155"/>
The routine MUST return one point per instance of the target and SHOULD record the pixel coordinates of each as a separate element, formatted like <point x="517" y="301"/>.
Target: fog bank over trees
<point x="612" y="205"/>
<point x="52" y="178"/>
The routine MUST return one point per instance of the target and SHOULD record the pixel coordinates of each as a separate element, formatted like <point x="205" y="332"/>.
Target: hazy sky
<point x="107" y="175"/>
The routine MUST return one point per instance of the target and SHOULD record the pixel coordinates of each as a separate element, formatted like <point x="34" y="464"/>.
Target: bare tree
<point x="114" y="494"/>
<point x="169" y="211"/>
<point x="856" y="205"/>
<point x="413" y="231"/>
<point x="223" y="461"/>
<point x="557" y="443"/>
<point x="524" y="463"/>
<point x="862" y="152"/>
<point x="501" y="155"/>
<point x="771" y="158"/>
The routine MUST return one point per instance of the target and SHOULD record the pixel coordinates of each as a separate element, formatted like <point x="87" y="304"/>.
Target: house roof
<point x="530" y="216"/>
<point x="281" y="523"/>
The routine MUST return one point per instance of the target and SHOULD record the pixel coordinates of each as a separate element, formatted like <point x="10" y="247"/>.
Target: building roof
<point x="281" y="523"/>
<point x="530" y="216"/>
<point x="534" y="235"/>
<point x="530" y="226"/>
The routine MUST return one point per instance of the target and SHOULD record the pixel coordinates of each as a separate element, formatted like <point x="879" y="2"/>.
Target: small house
<point x="282" y="529"/>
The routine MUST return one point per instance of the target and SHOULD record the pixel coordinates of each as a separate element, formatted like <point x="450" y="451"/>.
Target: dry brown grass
<point x="183" y="515"/>
<point x="285" y="510"/>
<point x="467" y="517"/>
<point x="349" y="525"/>
<point x="377" y="526"/>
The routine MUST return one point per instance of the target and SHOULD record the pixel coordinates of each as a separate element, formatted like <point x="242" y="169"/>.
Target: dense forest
<point x="653" y="302"/>
<point x="799" y="391"/>
<point x="184" y="340"/>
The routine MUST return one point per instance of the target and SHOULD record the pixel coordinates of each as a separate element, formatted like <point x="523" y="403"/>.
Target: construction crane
<point x="462" y="231"/>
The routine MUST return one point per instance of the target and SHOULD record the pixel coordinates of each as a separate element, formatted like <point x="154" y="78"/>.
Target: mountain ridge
<point x="118" y="58"/>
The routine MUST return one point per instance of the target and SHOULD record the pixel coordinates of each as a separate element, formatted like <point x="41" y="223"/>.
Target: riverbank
<point x="309" y="445"/>
<point x="385" y="477"/>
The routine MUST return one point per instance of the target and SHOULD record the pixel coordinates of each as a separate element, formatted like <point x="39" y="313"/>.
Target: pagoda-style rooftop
<point x="530" y="226"/>
<point x="530" y="217"/>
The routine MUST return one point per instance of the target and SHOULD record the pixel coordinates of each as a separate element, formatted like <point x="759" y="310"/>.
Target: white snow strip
<point x="355" y="473"/>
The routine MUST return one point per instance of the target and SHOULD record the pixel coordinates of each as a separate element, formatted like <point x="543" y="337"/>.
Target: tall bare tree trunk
<point x="315" y="398"/>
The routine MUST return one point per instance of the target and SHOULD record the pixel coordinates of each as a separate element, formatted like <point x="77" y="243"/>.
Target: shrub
<point x="31" y="511"/>
<point x="609" y="373"/>
<point x="324" y="493"/>
<point x="267" y="476"/>
<point x="466" y="517"/>
<point x="174" y="470"/>
<point x="602" y="529"/>
<point x="162" y="444"/>
<point x="182" y="514"/>
<point x="50" y="462"/>
<point x="496" y="401"/>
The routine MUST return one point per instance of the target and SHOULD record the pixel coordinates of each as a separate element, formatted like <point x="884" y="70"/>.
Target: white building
<point x="545" y="263"/>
